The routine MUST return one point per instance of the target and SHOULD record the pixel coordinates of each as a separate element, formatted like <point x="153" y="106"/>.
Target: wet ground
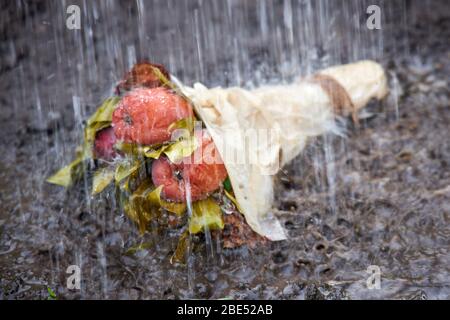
<point x="379" y="197"/>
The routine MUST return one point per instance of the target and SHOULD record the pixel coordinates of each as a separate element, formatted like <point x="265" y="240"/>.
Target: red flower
<point x="143" y="116"/>
<point x="142" y="75"/>
<point x="104" y="143"/>
<point x="201" y="173"/>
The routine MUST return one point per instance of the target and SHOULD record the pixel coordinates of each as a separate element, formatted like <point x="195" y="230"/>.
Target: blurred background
<point x="379" y="196"/>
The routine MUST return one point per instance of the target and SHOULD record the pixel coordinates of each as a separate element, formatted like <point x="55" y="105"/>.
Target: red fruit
<point x="143" y="116"/>
<point x="104" y="143"/>
<point x="203" y="172"/>
<point x="142" y="75"/>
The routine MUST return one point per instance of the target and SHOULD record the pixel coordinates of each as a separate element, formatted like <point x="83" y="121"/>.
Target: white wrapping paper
<point x="287" y="115"/>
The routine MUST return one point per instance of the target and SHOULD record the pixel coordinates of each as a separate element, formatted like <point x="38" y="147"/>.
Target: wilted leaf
<point x="180" y="252"/>
<point x="233" y="199"/>
<point x="137" y="207"/>
<point x="205" y="214"/>
<point x="182" y="148"/>
<point x="163" y="79"/>
<point x="175" y="151"/>
<point x="102" y="178"/>
<point x="138" y="247"/>
<point x="67" y="175"/>
<point x="132" y="149"/>
<point x="155" y="153"/>
<point x="104" y="112"/>
<point x="135" y="212"/>
<point x="177" y="208"/>
<point x="185" y="123"/>
<point x="126" y="184"/>
<point x="154" y="198"/>
<point x="90" y="133"/>
<point x="145" y="204"/>
<point x="141" y="75"/>
<point x="166" y="82"/>
<point x="101" y="119"/>
<point x="126" y="168"/>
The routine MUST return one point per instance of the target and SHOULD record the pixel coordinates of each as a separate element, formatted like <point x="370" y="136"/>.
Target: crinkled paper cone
<point x="293" y="113"/>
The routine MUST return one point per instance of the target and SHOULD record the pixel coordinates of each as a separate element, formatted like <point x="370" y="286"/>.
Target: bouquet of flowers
<point x="171" y="151"/>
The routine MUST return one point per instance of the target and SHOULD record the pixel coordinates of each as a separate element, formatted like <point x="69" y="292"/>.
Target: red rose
<point x="202" y="173"/>
<point x="104" y="143"/>
<point x="142" y="75"/>
<point x="144" y="115"/>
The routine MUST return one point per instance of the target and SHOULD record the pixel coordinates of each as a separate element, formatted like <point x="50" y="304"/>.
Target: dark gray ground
<point x="389" y="206"/>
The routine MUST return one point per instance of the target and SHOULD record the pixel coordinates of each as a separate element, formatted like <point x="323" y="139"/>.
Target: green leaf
<point x="182" y="148"/>
<point x="51" y="294"/>
<point x="205" y="214"/>
<point x="227" y="184"/>
<point x="102" y="178"/>
<point x="67" y="175"/>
